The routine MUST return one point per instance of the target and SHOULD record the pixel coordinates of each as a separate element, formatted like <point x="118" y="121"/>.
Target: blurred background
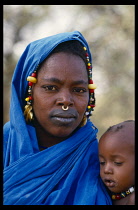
<point x="109" y="30"/>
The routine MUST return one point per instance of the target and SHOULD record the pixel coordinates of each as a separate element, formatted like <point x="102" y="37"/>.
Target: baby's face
<point x="117" y="167"/>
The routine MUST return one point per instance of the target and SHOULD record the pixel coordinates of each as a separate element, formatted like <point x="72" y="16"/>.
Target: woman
<point x="50" y="148"/>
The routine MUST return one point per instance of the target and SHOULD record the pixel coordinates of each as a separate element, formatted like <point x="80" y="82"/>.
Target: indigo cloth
<point x="64" y="174"/>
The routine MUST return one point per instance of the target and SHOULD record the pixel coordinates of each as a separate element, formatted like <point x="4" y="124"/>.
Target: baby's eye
<point x="102" y="162"/>
<point x="79" y="90"/>
<point x="50" y="87"/>
<point x="118" y="163"/>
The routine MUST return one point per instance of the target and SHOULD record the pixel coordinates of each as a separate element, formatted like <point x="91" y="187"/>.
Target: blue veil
<point x="64" y="174"/>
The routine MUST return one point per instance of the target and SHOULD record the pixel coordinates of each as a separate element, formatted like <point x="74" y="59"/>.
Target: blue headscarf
<point x="64" y="174"/>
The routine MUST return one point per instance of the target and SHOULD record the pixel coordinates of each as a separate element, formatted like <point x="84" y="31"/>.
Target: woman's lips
<point x="63" y="118"/>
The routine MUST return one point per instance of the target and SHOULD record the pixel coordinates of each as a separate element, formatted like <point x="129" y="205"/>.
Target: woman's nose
<point x="65" y="98"/>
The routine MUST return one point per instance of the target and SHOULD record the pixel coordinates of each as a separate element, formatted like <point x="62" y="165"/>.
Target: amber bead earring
<point x="28" y="108"/>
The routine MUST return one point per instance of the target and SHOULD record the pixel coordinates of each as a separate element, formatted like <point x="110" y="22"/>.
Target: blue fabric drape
<point x="64" y="174"/>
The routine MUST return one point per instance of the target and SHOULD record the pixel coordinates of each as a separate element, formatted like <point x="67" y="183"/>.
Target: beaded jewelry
<point x="91" y="104"/>
<point x="28" y="108"/>
<point x="91" y="86"/>
<point x="118" y="196"/>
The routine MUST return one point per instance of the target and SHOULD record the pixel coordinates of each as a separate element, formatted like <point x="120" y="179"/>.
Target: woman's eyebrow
<point x="52" y="79"/>
<point x="79" y="82"/>
<point x="56" y="80"/>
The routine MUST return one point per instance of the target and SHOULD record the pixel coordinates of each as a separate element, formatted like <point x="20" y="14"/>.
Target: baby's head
<point x="117" y="156"/>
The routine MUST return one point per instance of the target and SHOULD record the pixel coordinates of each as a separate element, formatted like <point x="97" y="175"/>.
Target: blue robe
<point x="64" y="174"/>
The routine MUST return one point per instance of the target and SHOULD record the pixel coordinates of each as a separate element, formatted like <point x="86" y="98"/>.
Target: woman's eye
<point x="50" y="87"/>
<point x="79" y="90"/>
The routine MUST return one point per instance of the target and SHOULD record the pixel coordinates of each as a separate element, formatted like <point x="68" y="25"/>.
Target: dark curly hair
<point x="72" y="47"/>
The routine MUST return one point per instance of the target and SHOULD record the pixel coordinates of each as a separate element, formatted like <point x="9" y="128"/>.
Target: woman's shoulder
<point x="6" y="132"/>
<point x="6" y="125"/>
<point x="6" y="129"/>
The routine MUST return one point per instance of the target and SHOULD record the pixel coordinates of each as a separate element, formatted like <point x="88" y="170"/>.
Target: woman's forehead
<point x="64" y="63"/>
<point x="60" y="57"/>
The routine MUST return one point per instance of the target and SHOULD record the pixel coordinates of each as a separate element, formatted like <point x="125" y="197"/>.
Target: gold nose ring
<point x="63" y="108"/>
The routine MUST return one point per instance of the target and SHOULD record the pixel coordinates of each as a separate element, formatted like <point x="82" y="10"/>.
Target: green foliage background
<point x="109" y="30"/>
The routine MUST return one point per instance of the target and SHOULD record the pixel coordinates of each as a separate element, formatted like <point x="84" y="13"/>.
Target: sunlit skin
<point x="62" y="80"/>
<point x="117" y="161"/>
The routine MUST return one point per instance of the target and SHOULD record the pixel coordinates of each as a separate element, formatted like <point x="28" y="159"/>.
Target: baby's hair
<point x="115" y="128"/>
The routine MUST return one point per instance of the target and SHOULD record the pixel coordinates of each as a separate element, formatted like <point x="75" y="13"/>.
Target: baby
<point x="117" y="162"/>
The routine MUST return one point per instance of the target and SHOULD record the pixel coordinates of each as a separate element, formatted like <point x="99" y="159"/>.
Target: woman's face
<point x="62" y="80"/>
<point x="117" y="162"/>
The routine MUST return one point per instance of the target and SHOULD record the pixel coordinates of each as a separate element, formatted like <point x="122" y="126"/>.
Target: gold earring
<point x="28" y="108"/>
<point x="84" y="121"/>
<point x="28" y="113"/>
